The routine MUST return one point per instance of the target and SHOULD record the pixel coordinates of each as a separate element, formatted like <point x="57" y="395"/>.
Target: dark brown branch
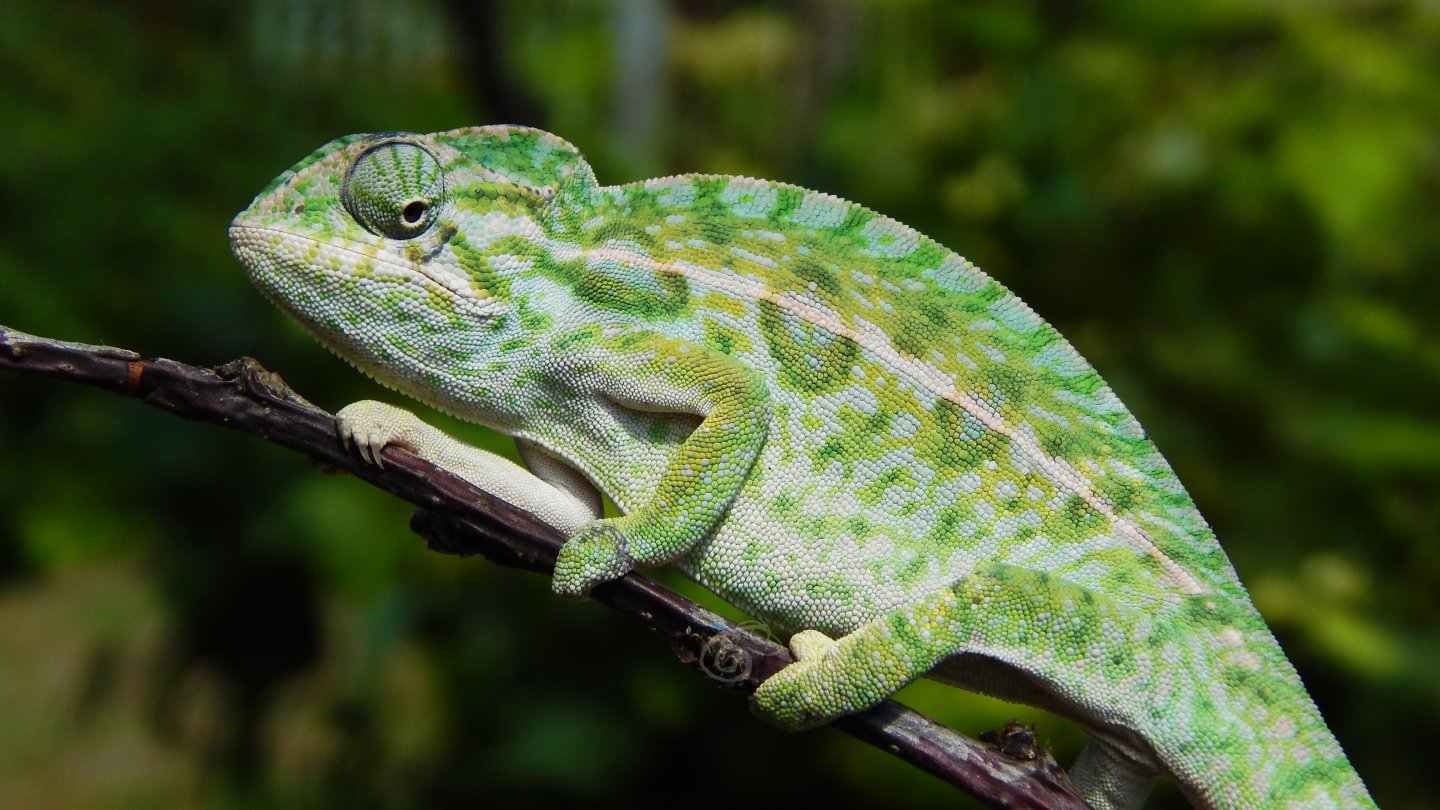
<point x="457" y="518"/>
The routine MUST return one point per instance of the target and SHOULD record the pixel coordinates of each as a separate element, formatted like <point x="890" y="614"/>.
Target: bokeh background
<point x="1229" y="206"/>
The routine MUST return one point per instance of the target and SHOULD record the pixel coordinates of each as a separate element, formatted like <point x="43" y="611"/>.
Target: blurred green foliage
<point x="1229" y="207"/>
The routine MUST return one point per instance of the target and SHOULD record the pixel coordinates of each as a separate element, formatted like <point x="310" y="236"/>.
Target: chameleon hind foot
<point x="808" y="645"/>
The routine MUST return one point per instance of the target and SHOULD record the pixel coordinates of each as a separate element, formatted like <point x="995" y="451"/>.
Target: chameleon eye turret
<point x="395" y="189"/>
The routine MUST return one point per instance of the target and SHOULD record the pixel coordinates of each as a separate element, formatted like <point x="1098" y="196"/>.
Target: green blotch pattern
<point x="811" y="360"/>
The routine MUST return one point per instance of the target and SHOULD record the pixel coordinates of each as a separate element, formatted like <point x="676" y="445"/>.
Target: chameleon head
<point x="400" y="252"/>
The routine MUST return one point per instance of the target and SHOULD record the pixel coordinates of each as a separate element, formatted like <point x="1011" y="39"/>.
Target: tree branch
<point x="457" y="518"/>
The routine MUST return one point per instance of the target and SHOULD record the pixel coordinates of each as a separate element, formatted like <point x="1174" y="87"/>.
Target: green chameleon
<point x="818" y="413"/>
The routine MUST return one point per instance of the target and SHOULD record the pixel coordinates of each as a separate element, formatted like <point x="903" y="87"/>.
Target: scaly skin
<point x="817" y="412"/>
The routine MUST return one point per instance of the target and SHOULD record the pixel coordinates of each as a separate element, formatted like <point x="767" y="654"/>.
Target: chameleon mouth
<point x="276" y="258"/>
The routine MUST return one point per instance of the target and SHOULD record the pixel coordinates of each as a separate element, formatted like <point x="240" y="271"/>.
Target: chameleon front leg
<point x="703" y="477"/>
<point x="554" y="471"/>
<point x="549" y="490"/>
<point x="1012" y="615"/>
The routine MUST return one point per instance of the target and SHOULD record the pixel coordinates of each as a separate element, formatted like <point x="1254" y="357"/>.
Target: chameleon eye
<point x="395" y="190"/>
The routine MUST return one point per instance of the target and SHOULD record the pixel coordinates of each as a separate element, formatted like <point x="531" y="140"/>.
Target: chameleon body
<point x="815" y="411"/>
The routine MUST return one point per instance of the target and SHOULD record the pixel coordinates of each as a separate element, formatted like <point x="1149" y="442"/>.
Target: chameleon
<point x="823" y="416"/>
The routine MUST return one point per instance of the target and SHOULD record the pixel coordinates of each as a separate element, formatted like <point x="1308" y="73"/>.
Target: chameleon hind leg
<point x="1009" y="614"/>
<point x="1107" y="779"/>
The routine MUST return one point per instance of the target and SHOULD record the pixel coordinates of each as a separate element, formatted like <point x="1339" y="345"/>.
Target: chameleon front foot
<point x="569" y="504"/>
<point x="371" y="426"/>
<point x="595" y="554"/>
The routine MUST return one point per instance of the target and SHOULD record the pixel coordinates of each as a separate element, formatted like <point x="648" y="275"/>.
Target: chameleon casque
<point x="820" y="414"/>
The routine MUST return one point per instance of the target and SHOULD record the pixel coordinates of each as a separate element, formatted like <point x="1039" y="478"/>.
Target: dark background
<point x="1229" y="207"/>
